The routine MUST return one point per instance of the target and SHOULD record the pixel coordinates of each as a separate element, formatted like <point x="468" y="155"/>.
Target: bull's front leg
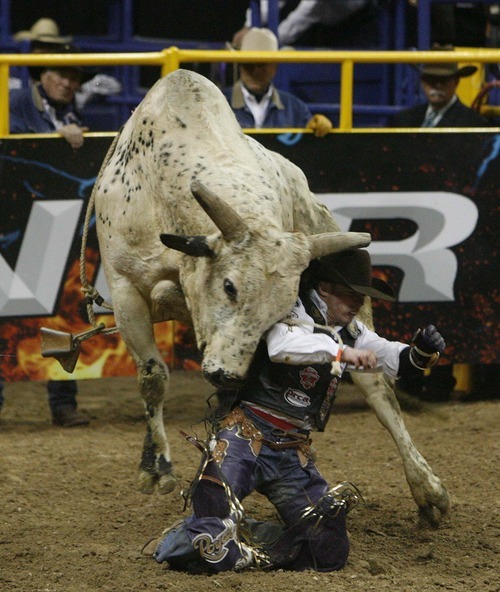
<point x="155" y="467"/>
<point x="426" y="488"/>
<point x="134" y="322"/>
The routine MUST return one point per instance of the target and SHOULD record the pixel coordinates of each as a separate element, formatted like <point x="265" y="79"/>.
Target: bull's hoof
<point x="167" y="483"/>
<point x="146" y="482"/>
<point x="433" y="512"/>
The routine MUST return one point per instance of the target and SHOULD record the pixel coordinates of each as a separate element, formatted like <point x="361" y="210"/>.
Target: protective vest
<point x="303" y="392"/>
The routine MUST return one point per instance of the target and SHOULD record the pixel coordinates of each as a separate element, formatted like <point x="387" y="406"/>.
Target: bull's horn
<point x="231" y="225"/>
<point x="333" y="242"/>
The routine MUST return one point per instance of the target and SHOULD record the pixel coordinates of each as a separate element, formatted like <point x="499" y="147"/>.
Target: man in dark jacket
<point x="49" y="104"/>
<point x="444" y="108"/>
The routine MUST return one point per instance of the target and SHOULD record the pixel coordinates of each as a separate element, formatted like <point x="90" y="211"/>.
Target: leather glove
<point x="427" y="345"/>
<point x="320" y="125"/>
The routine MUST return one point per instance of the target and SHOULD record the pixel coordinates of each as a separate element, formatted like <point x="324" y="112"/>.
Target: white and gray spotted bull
<point x="238" y="225"/>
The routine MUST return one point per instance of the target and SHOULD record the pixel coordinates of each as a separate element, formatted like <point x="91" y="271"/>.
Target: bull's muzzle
<point x="220" y="379"/>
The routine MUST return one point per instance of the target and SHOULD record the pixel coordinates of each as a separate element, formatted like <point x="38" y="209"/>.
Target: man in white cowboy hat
<point x="264" y="442"/>
<point x="257" y="103"/>
<point x="443" y="109"/>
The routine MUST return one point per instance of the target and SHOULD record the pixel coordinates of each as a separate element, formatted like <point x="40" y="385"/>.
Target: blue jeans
<point x="290" y="485"/>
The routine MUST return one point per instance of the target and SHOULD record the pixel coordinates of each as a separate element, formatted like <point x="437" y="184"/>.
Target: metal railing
<point x="172" y="58"/>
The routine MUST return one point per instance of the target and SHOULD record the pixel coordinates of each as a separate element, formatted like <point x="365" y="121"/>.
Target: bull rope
<point x="90" y="292"/>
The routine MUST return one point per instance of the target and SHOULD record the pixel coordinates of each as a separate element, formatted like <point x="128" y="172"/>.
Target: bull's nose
<point x="221" y="380"/>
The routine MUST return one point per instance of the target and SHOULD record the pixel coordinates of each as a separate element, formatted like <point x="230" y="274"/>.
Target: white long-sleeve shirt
<point x="298" y="344"/>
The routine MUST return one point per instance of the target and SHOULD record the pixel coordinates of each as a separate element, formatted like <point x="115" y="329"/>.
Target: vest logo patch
<point x="297" y="398"/>
<point x="308" y="377"/>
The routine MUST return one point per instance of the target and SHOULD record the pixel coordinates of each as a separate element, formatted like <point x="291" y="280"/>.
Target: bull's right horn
<point x="333" y="242"/>
<point x="227" y="220"/>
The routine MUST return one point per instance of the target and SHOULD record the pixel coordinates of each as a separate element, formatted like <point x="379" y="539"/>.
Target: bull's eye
<point x="230" y="289"/>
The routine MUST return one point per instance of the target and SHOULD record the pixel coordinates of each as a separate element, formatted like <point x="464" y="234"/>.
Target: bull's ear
<point x="196" y="246"/>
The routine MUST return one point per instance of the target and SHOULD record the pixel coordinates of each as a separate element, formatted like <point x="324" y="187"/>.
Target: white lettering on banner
<point x="443" y="220"/>
<point x="429" y="266"/>
<point x="32" y="288"/>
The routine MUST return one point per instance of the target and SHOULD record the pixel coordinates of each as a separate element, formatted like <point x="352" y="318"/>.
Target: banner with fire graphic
<point x="429" y="200"/>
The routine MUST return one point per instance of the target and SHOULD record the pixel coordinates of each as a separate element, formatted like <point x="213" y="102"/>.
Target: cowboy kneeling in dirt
<point x="263" y="443"/>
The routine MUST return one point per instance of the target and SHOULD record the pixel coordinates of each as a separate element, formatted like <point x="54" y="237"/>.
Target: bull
<point x="198" y="222"/>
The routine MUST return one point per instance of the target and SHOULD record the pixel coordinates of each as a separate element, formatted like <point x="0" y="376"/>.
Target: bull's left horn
<point x="229" y="222"/>
<point x="333" y="242"/>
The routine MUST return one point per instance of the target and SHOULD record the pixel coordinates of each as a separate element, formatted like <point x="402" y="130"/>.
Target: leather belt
<point x="286" y="445"/>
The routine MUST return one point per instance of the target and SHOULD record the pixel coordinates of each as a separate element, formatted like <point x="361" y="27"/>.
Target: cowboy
<point x="263" y="444"/>
<point x="439" y="82"/>
<point x="257" y="103"/>
<point x="44" y="37"/>
<point x="49" y="104"/>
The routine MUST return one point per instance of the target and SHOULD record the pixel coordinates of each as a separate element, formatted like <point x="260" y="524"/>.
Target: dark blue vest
<point x="301" y="392"/>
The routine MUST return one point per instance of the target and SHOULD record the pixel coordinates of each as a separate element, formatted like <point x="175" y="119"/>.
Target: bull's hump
<point x="189" y="100"/>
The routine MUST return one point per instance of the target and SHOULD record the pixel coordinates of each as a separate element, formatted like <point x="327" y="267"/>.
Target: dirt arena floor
<point x="72" y="521"/>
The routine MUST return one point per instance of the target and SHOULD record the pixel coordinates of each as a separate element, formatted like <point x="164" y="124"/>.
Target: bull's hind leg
<point x="427" y="490"/>
<point x="133" y="319"/>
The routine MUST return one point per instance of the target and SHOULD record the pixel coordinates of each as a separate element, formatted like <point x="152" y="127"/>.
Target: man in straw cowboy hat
<point x="257" y="103"/>
<point x="264" y="444"/>
<point x="443" y="109"/>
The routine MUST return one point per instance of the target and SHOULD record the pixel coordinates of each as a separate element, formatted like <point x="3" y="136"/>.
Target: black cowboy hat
<point x="444" y="70"/>
<point x="436" y="70"/>
<point x="86" y="72"/>
<point x="352" y="269"/>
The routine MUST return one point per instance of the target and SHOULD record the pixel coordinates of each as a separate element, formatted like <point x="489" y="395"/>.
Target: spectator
<point x="49" y="106"/>
<point x="443" y="108"/>
<point x="44" y="37"/>
<point x="263" y="444"/>
<point x="255" y="100"/>
<point x="312" y="22"/>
